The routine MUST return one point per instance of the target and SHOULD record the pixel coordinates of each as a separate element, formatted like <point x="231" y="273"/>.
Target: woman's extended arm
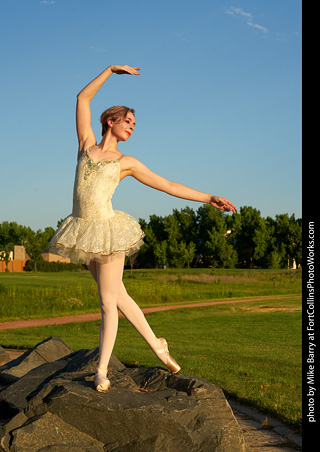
<point x="133" y="167"/>
<point x="83" y="116"/>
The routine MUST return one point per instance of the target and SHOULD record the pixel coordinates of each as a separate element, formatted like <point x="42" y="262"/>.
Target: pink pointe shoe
<point x="164" y="355"/>
<point x="101" y="382"/>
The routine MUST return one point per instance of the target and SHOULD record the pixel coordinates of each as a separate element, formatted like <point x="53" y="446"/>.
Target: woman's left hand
<point x="124" y="69"/>
<point x="222" y="204"/>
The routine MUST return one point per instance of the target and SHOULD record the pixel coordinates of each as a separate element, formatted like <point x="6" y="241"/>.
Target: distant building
<point x="18" y="258"/>
<point x="19" y="253"/>
<point x="51" y="257"/>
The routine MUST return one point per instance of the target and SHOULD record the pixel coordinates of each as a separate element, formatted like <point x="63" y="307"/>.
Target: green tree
<point x="12" y="233"/>
<point x="160" y="253"/>
<point x="215" y="246"/>
<point x="188" y="252"/>
<point x="36" y="242"/>
<point x="187" y="224"/>
<point x="146" y="254"/>
<point x="179" y="252"/>
<point x="209" y="237"/>
<point x="288" y="238"/>
<point x="34" y="247"/>
<point x="273" y="260"/>
<point x="250" y="237"/>
<point x="296" y="246"/>
<point x="219" y="251"/>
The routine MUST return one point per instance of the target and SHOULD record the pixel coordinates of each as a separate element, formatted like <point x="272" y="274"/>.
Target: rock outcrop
<point x="48" y="403"/>
<point x="4" y="356"/>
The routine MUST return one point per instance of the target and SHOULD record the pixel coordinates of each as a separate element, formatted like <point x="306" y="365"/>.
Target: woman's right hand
<point x="124" y="69"/>
<point x="222" y="204"/>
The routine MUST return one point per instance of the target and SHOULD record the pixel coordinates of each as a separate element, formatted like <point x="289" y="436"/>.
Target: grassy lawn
<point x="36" y="295"/>
<point x="252" y="351"/>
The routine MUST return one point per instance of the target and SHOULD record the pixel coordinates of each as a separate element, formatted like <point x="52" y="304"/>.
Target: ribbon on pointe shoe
<point x="169" y="362"/>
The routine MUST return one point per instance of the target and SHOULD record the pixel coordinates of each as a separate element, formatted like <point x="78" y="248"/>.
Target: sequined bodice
<point x="94" y="185"/>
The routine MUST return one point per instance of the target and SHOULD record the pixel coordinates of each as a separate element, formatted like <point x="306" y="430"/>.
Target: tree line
<point x="211" y="238"/>
<point x="206" y="237"/>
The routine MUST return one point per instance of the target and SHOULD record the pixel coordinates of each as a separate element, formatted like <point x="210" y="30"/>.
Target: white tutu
<point x="94" y="231"/>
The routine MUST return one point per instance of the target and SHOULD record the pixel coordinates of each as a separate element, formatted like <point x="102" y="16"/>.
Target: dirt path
<point x="96" y="316"/>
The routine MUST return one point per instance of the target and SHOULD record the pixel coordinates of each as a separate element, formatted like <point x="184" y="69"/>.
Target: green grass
<point x="251" y="350"/>
<point x="36" y="295"/>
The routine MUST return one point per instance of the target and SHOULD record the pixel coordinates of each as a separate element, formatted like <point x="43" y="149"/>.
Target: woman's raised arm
<point x="85" y="133"/>
<point x="133" y="167"/>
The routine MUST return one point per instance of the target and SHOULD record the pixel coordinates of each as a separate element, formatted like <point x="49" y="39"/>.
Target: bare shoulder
<point x="128" y="162"/>
<point x="131" y="166"/>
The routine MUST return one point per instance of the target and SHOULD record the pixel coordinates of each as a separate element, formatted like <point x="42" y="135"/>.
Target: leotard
<point x="94" y="231"/>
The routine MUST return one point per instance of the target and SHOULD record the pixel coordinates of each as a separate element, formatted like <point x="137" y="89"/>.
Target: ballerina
<point x="102" y="237"/>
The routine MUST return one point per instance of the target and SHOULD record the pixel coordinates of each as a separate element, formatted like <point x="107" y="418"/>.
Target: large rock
<point x="48" y="350"/>
<point x="55" y="407"/>
<point x="4" y="356"/>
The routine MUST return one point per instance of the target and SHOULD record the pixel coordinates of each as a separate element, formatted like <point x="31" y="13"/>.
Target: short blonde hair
<point x="115" y="114"/>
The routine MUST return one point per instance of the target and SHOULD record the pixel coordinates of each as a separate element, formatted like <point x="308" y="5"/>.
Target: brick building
<point x="19" y="258"/>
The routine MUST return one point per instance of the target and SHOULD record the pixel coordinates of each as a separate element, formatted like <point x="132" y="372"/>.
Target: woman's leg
<point x="108" y="277"/>
<point x="130" y="310"/>
<point x="134" y="314"/>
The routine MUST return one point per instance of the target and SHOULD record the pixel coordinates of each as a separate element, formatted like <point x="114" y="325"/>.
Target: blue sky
<point x="218" y="101"/>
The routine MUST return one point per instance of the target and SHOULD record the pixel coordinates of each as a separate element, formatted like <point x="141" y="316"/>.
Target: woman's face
<point x="124" y="128"/>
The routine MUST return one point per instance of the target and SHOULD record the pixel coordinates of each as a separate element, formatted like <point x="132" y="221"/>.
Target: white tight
<point x="113" y="296"/>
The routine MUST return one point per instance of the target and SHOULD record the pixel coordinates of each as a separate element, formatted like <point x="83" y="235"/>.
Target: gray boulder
<point x="48" y="350"/>
<point x="55" y="407"/>
<point x="4" y="356"/>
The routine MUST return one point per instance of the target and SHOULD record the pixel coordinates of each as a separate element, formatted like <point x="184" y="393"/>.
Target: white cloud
<point x="259" y="27"/>
<point x="239" y="11"/>
<point x="232" y="10"/>
<point x="97" y="49"/>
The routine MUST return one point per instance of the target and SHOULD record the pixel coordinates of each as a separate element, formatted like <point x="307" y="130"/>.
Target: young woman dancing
<point x="100" y="236"/>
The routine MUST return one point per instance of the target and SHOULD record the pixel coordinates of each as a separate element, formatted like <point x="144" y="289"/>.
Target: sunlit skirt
<point x="84" y="240"/>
